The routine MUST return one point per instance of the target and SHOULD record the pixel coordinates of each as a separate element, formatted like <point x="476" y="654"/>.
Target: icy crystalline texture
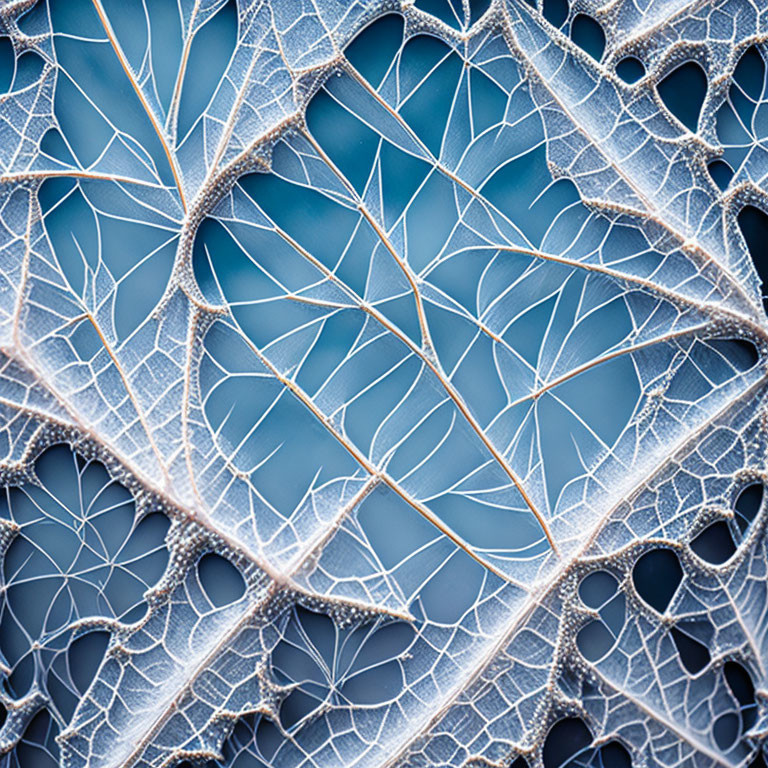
<point x="395" y="346"/>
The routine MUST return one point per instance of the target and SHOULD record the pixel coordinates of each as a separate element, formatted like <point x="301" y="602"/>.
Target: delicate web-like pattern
<point x="383" y="384"/>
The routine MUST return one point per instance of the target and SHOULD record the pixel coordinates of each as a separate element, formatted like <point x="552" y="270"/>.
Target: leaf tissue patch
<point x="383" y="384"/>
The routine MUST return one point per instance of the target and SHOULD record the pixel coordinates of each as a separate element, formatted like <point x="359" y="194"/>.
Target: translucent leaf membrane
<point x="382" y="384"/>
<point x="78" y="566"/>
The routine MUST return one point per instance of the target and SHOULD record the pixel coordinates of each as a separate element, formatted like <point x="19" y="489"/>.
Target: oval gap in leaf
<point x="748" y="504"/>
<point x="588" y="35"/>
<point x="448" y="11"/>
<point x="597" y="588"/>
<point x="740" y="353"/>
<point x="694" y="655"/>
<point x="53" y="145"/>
<point x="29" y="67"/>
<point x="754" y="228"/>
<point x="715" y="543"/>
<point x="222" y="582"/>
<point x="725" y="731"/>
<point x="38" y="747"/>
<point x="566" y="739"/>
<point x="72" y="672"/>
<point x="373" y="50"/>
<point x="721" y="173"/>
<point x="7" y="63"/>
<point x="477" y="8"/>
<point x="295" y="707"/>
<point x="630" y="69"/>
<point x="683" y="91"/>
<point x="594" y="641"/>
<point x="35" y="20"/>
<point x="750" y="73"/>
<point x="85" y="655"/>
<point x="614" y="755"/>
<point x="555" y="11"/>
<point x="656" y="576"/>
<point x="743" y="689"/>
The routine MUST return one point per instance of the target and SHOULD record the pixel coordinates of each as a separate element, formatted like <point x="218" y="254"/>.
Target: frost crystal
<point x="383" y="383"/>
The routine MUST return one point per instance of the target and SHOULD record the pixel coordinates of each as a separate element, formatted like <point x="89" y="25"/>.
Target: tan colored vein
<point x="139" y="93"/>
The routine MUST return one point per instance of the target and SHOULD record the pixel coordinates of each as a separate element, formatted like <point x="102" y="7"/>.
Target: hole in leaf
<point x="53" y="145"/>
<point x="615" y="755"/>
<point x="742" y="354"/>
<point x="374" y="49"/>
<point x="85" y="655"/>
<point x="449" y="11"/>
<point x="694" y="655"/>
<point x="630" y="69"/>
<point x="35" y="20"/>
<point x="656" y="576"/>
<point x="269" y="738"/>
<point x="29" y="67"/>
<point x="754" y="227"/>
<point x="566" y="739"/>
<point x="748" y="505"/>
<point x="726" y="731"/>
<point x="588" y="35"/>
<point x="555" y="11"/>
<point x="599" y="591"/>
<point x="715" y="543"/>
<point x="597" y="588"/>
<point x="734" y="125"/>
<point x="612" y="614"/>
<point x="427" y="110"/>
<point x="683" y="91"/>
<point x="750" y="73"/>
<point x="38" y="747"/>
<point x="477" y="8"/>
<point x="296" y="706"/>
<point x="134" y="614"/>
<point x="7" y="64"/>
<point x="20" y="680"/>
<point x="594" y="640"/>
<point x="72" y="672"/>
<point x="253" y="735"/>
<point x="722" y="359"/>
<point x="743" y="689"/>
<point x="221" y="581"/>
<point x="721" y="173"/>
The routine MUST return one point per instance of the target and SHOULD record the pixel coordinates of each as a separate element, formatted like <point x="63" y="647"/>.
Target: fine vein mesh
<point x="382" y="384"/>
